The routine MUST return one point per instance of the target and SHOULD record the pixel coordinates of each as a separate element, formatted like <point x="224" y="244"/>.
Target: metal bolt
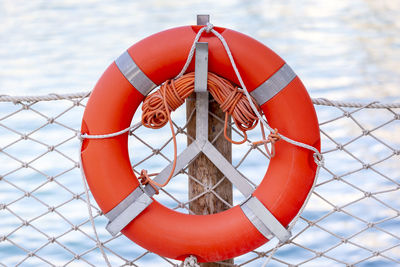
<point x="77" y="165"/>
<point x="25" y="107"/>
<point x="376" y="253"/>
<point x="25" y="223"/>
<point x="366" y="166"/>
<point x="77" y="257"/>
<point x="24" y="165"/>
<point x="51" y="209"/>
<point x="3" y="238"/>
<point x="370" y="225"/>
<point x="30" y="254"/>
<point x="156" y="151"/>
<point x="27" y="194"/>
<point x="76" y="103"/>
<point x="365" y="132"/>
<point x="76" y="196"/>
<point x="50" y="178"/>
<point x="75" y="228"/>
<point x="50" y="120"/>
<point x="24" y="136"/>
<point x="318" y="254"/>
<point x="344" y="240"/>
<point x="397" y="116"/>
<point x="340" y="147"/>
<point x="51" y="148"/>
<point x="396" y="152"/>
<point x="52" y="239"/>
<point x="346" y="114"/>
<point x="2" y="206"/>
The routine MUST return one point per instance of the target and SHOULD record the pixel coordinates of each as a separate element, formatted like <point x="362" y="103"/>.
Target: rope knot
<point x="272" y="138"/>
<point x="144" y="179"/>
<point x="319" y="159"/>
<point x="209" y="27"/>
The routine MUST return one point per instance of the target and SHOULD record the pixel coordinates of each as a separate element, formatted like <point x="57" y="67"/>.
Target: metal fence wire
<point x="352" y="218"/>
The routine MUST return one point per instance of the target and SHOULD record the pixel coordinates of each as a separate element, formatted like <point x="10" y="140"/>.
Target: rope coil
<point x="231" y="99"/>
<point x="157" y="106"/>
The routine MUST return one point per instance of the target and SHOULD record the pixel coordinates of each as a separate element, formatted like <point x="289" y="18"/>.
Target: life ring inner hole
<point x="152" y="149"/>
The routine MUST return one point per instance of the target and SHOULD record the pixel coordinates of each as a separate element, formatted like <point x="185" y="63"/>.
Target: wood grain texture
<point x="205" y="171"/>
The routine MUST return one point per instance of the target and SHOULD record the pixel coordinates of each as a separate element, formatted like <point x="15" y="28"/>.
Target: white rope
<point x="80" y="95"/>
<point x="207" y="28"/>
<point x="345" y="104"/>
<point x="271" y="254"/>
<point x="49" y="97"/>
<point x="110" y="135"/>
<point x="98" y="136"/>
<point x="99" y="244"/>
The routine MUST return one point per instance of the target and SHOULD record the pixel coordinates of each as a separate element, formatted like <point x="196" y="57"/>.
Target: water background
<point x="342" y="50"/>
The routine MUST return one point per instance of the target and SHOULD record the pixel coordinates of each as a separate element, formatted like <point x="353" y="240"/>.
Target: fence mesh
<point x="352" y="218"/>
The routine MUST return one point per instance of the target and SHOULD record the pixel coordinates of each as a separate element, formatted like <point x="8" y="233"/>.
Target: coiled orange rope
<point x="157" y="106"/>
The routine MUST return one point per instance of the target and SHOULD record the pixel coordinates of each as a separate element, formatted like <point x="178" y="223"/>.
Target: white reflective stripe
<point x="134" y="74"/>
<point x="263" y="220"/>
<point x="112" y="214"/>
<point x="201" y="68"/>
<point x="273" y="85"/>
<point x="127" y="210"/>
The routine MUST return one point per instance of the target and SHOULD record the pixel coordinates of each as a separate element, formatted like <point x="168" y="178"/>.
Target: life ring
<point x="150" y="62"/>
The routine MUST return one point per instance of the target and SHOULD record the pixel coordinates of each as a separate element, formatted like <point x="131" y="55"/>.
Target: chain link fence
<point x="352" y="218"/>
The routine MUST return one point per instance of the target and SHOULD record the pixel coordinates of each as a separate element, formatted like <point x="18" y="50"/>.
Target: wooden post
<point x="205" y="171"/>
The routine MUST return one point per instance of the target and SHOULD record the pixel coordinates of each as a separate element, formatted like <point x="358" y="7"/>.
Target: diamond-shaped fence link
<point x="352" y="218"/>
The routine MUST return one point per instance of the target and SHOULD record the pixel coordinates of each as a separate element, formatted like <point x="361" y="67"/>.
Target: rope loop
<point x="319" y="159"/>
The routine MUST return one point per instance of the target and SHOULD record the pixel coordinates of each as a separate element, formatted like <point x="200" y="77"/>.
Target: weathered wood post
<point x="202" y="168"/>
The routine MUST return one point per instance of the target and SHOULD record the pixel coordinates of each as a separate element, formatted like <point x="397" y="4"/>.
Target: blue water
<point x="343" y="50"/>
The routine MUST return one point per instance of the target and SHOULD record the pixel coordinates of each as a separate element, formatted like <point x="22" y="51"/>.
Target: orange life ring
<point x="114" y="101"/>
